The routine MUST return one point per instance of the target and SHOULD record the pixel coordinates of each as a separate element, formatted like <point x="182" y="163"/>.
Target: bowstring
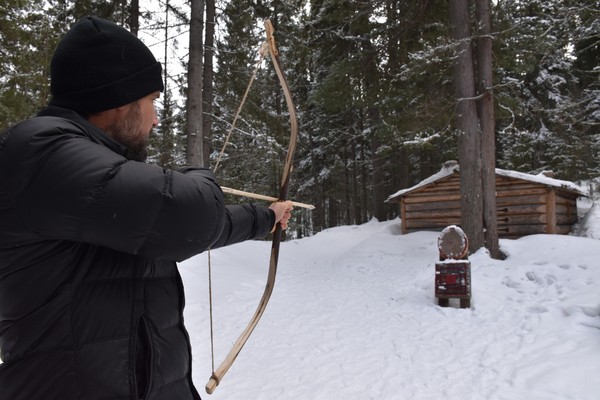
<point x="264" y="49"/>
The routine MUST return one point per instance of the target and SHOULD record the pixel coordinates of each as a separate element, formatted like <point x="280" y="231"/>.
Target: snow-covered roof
<point x="450" y="168"/>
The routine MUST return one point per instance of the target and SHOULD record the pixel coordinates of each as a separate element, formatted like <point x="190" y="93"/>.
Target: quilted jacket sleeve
<point x="68" y="187"/>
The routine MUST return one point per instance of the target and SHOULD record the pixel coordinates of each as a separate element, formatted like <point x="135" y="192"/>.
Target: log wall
<point x="523" y="207"/>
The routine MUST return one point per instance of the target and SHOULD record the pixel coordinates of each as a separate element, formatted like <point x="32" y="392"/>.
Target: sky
<point x="353" y="316"/>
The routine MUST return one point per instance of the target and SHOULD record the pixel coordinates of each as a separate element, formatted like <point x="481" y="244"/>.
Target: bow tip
<point x="211" y="385"/>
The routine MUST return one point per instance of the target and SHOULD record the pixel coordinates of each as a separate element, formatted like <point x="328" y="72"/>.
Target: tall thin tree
<point x="488" y="127"/>
<point x="468" y="126"/>
<point x="194" y="104"/>
<point x="134" y="16"/>
<point x="166" y="139"/>
<point x="207" y="81"/>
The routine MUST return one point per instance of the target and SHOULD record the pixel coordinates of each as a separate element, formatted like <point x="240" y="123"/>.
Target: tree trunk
<point x="194" y="132"/>
<point x="165" y="130"/>
<point x="134" y="17"/>
<point x="486" y="118"/>
<point x="379" y="211"/>
<point x="356" y="192"/>
<point x="371" y="78"/>
<point x="333" y="212"/>
<point x="469" y="141"/>
<point x="348" y="187"/>
<point x="365" y="188"/>
<point x="207" y="83"/>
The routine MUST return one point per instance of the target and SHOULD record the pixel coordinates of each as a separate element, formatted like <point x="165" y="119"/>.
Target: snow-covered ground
<point x="353" y="316"/>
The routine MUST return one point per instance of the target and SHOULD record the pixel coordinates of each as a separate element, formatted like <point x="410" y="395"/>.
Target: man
<point x="91" y="302"/>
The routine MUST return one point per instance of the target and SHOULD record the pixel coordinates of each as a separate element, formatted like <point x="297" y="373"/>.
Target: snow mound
<point x="353" y="316"/>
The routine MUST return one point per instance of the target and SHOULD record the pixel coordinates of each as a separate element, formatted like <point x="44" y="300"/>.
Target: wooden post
<point x="403" y="215"/>
<point x="550" y="210"/>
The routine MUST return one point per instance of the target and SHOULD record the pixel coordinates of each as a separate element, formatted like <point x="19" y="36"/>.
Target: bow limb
<point x="218" y="374"/>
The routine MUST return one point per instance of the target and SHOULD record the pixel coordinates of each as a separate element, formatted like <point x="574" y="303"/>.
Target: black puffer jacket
<point x="91" y="301"/>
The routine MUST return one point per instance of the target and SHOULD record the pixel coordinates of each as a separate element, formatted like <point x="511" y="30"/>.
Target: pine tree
<point x="548" y="103"/>
<point x="27" y="41"/>
<point x="166" y="143"/>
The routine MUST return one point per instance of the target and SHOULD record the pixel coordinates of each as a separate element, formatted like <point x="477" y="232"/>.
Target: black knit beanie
<point x="99" y="65"/>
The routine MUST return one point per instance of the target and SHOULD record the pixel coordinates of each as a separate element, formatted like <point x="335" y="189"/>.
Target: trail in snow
<point x="353" y="316"/>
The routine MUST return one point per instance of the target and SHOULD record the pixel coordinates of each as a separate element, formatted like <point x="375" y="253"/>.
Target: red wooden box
<point x="453" y="280"/>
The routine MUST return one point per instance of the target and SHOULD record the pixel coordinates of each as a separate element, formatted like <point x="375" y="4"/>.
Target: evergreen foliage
<point x="27" y="39"/>
<point x="167" y="142"/>
<point x="372" y="81"/>
<point x="548" y="87"/>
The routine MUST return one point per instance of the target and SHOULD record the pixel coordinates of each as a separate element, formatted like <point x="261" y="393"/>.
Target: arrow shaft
<point x="251" y="195"/>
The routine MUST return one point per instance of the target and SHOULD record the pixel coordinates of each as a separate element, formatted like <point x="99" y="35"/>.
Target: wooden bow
<point x="218" y="374"/>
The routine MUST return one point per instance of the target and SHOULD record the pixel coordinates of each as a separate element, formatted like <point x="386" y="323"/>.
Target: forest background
<point x="372" y="82"/>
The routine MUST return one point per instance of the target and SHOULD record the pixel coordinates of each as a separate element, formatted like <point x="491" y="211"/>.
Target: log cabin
<point x="526" y="204"/>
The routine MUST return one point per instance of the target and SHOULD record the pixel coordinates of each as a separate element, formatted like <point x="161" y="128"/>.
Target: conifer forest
<point x="374" y="84"/>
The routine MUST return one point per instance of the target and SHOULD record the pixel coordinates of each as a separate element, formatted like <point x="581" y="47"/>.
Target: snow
<point x="353" y="316"/>
<point x="586" y="227"/>
<point x="450" y="167"/>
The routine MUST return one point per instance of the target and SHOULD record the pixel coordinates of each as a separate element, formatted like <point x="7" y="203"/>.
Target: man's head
<point x="99" y="65"/>
<point x="107" y="74"/>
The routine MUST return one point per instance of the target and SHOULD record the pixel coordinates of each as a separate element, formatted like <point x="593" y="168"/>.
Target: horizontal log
<point x="455" y="218"/>
<point x="504" y="232"/>
<point x="566" y="201"/>
<point x="521" y="209"/>
<point x="563" y="229"/>
<point x="437" y="192"/>
<point x="517" y="183"/>
<point x="532" y="196"/>
<point x="501" y="184"/>
<point x="534" y="222"/>
<point x="503" y="208"/>
<point x="451" y="183"/>
<point x="431" y="198"/>
<point x="517" y="197"/>
<point x="501" y="181"/>
<point x="522" y="230"/>
<point x="430" y="224"/>
<point x="433" y="214"/>
<point x="506" y="236"/>
<point x="521" y="192"/>
<point x="520" y="200"/>
<point x="566" y="219"/>
<point x="532" y="219"/>
<point x="434" y="205"/>
<point x="450" y="187"/>
<point x="528" y="209"/>
<point x="530" y="202"/>
<point x="504" y="183"/>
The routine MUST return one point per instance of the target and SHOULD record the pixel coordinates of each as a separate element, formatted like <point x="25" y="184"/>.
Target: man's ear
<point x="105" y="118"/>
<point x="121" y="110"/>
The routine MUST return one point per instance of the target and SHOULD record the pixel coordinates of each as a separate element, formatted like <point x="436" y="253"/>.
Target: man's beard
<point x="126" y="132"/>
